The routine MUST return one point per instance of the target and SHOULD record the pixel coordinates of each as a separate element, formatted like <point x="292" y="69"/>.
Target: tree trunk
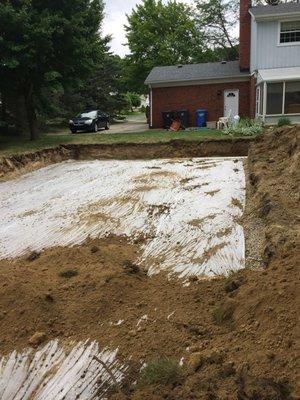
<point x="3" y="107"/>
<point x="31" y="114"/>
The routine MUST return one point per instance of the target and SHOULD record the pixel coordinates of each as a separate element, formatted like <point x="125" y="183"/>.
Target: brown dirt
<point x="13" y="166"/>
<point x="238" y="336"/>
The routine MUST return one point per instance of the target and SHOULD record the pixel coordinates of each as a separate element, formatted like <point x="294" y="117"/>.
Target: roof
<point x="195" y="72"/>
<point x="262" y="12"/>
<point x="278" y="74"/>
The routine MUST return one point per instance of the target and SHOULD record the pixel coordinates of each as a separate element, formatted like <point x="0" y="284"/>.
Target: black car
<point x="90" y="121"/>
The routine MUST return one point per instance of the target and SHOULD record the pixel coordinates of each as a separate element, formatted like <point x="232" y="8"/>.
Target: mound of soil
<point x="236" y="336"/>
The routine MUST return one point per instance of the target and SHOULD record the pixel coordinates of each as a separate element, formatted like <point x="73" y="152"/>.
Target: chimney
<point x="245" y="35"/>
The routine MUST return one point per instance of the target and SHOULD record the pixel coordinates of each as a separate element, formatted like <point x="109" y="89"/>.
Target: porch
<point x="278" y="94"/>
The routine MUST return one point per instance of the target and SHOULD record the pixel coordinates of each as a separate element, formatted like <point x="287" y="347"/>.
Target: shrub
<point x="163" y="371"/>
<point x="68" y="273"/>
<point x="283" y="121"/>
<point x="245" y="127"/>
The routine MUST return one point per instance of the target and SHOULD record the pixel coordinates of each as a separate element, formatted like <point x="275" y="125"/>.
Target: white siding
<point x="265" y="52"/>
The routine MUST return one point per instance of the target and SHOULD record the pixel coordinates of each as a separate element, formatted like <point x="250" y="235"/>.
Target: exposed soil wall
<point x="11" y="166"/>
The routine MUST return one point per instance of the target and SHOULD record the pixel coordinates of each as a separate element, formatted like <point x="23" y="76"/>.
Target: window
<point x="282" y="98"/>
<point x="274" y="98"/>
<point x="292" y="98"/>
<point x="290" y="32"/>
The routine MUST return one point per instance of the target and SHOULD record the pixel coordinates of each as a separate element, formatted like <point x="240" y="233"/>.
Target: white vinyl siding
<point x="266" y="49"/>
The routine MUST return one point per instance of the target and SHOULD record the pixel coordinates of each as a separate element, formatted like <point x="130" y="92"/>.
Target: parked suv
<point x="89" y="121"/>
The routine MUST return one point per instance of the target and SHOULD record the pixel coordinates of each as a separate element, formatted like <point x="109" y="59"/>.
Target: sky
<point x="115" y="18"/>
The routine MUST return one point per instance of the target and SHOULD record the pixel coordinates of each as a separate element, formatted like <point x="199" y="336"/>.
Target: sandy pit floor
<point x="184" y="212"/>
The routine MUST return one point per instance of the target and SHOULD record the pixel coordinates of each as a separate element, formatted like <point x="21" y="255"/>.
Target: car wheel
<point x="95" y="127"/>
<point x="107" y="126"/>
<point x="73" y="130"/>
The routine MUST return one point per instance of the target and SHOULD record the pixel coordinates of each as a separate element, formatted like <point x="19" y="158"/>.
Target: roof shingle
<point x="195" y="72"/>
<point x="279" y="10"/>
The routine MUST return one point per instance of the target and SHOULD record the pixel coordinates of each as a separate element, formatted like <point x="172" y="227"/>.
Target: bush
<point x="245" y="127"/>
<point x="283" y="121"/>
<point x="163" y="371"/>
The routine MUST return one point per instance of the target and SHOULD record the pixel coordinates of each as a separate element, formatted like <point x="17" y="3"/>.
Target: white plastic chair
<point x="224" y="121"/>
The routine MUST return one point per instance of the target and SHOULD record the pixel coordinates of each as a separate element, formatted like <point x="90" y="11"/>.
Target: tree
<point x="47" y="46"/>
<point x="159" y="34"/>
<point x="216" y="20"/>
<point x="135" y="99"/>
<point x="100" y="91"/>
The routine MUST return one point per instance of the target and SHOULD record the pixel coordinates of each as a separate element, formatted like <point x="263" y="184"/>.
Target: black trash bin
<point x="184" y="117"/>
<point x="167" y="118"/>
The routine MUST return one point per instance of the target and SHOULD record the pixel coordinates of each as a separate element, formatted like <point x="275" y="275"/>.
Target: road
<point x="133" y="123"/>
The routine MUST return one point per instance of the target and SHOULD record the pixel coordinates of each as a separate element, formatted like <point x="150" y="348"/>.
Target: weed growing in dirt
<point x="283" y="121"/>
<point x="68" y="273"/>
<point x="163" y="371"/>
<point x="223" y="313"/>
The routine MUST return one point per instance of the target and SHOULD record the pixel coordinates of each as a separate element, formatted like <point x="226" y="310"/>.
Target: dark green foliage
<point x="163" y="371"/>
<point x="47" y="47"/>
<point x="284" y="121"/>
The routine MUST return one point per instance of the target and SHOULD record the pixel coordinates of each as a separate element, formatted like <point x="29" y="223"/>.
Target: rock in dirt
<point x="130" y="268"/>
<point x="94" y="249"/>
<point x="198" y="360"/>
<point x="37" y="339"/>
<point x="33" y="256"/>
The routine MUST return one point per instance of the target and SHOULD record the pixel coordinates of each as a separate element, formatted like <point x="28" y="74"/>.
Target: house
<point x="264" y="82"/>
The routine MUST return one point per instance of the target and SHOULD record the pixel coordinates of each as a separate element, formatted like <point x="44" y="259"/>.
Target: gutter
<point x="212" y="80"/>
<point x="276" y="16"/>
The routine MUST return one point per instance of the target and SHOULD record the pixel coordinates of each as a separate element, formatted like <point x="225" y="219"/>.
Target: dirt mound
<point x="235" y="337"/>
<point x="10" y="167"/>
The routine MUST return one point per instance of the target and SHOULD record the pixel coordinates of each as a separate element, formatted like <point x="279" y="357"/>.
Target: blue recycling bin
<point x="201" y="118"/>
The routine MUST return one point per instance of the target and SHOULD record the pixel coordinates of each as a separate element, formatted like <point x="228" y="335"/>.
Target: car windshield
<point x="90" y="114"/>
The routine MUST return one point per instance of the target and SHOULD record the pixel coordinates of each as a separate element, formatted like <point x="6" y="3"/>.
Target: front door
<point x="231" y="103"/>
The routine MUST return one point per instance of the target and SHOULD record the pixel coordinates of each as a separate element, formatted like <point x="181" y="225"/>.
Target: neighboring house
<point x="265" y="82"/>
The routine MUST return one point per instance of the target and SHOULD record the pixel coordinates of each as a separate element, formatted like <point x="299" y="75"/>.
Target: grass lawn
<point x="16" y="145"/>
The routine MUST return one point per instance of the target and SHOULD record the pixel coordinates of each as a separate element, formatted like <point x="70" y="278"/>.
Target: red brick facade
<point x="210" y="97"/>
<point x="245" y="35"/>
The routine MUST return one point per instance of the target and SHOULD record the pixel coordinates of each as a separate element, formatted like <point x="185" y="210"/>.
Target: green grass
<point x="10" y="144"/>
<point x="163" y="371"/>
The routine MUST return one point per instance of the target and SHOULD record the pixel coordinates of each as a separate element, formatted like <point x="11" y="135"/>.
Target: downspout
<point x="265" y="101"/>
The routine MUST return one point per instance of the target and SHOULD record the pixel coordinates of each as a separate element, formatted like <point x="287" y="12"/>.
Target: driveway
<point x="133" y="123"/>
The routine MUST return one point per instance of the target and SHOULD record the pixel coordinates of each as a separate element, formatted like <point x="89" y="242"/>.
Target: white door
<point x="231" y="103"/>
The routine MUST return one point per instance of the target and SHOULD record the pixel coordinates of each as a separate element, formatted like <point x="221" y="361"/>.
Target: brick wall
<point x="245" y="35"/>
<point x="209" y="97"/>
